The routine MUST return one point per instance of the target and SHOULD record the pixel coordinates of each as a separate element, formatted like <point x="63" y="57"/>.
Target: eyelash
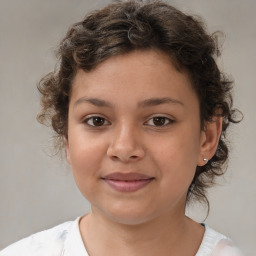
<point x="91" y="118"/>
<point x="167" y="121"/>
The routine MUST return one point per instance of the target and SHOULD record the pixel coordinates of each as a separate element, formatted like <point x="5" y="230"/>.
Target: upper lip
<point x="131" y="176"/>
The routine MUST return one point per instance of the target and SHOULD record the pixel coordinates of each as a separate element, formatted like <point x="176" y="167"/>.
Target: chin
<point x="128" y="216"/>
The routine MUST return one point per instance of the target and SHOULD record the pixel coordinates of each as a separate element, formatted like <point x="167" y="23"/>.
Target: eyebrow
<point x="145" y="103"/>
<point x="94" y="101"/>
<point x="158" y="101"/>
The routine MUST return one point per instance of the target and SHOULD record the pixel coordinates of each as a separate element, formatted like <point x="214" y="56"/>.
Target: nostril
<point x="124" y="158"/>
<point x="125" y="152"/>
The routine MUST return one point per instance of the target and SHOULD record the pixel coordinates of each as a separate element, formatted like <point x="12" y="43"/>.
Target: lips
<point x="127" y="182"/>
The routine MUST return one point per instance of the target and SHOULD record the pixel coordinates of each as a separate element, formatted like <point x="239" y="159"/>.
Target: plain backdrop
<point x="37" y="191"/>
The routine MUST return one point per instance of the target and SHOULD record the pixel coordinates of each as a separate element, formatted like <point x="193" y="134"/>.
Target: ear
<point x="209" y="140"/>
<point x="67" y="150"/>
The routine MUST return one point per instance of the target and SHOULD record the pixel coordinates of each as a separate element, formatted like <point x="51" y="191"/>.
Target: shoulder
<point x="217" y="244"/>
<point x="226" y="248"/>
<point x="47" y="242"/>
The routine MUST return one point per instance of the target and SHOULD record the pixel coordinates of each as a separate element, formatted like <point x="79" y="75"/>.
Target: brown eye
<point x="159" y="121"/>
<point x="96" y="121"/>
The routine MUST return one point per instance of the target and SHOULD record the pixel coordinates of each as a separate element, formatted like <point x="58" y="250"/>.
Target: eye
<point x="96" y="121"/>
<point x="159" y="121"/>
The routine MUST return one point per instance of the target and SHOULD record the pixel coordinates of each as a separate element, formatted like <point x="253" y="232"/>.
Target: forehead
<point x="134" y="75"/>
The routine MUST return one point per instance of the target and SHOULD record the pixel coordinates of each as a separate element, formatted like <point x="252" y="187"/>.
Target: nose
<point x="126" y="145"/>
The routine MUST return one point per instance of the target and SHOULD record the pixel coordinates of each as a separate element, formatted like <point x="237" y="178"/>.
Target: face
<point x="134" y="137"/>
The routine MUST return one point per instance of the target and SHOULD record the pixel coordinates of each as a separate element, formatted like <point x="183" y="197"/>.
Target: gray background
<point x="37" y="191"/>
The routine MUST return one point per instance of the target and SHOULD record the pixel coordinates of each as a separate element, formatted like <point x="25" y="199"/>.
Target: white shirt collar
<point x="74" y="244"/>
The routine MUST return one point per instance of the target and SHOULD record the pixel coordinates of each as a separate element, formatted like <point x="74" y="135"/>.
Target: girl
<point x="142" y="110"/>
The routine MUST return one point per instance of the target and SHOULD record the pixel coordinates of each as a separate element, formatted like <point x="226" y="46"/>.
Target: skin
<point x="151" y="220"/>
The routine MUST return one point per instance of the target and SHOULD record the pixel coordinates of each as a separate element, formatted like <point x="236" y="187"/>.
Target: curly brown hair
<point x="125" y="26"/>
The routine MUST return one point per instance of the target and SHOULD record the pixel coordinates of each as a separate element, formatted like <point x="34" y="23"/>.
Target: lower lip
<point x="127" y="186"/>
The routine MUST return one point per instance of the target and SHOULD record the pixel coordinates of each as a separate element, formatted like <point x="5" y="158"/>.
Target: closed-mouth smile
<point x="127" y="182"/>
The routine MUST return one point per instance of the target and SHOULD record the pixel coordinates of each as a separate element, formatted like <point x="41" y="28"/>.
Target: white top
<point x="65" y="240"/>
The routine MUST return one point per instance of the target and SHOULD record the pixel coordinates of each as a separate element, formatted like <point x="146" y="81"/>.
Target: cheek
<point x="86" y="154"/>
<point x="179" y="149"/>
<point x="176" y="158"/>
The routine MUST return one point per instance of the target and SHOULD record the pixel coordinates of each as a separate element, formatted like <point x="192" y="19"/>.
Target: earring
<point x="206" y="160"/>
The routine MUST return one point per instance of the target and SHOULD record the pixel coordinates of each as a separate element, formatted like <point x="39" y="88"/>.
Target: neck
<point x="159" y="236"/>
